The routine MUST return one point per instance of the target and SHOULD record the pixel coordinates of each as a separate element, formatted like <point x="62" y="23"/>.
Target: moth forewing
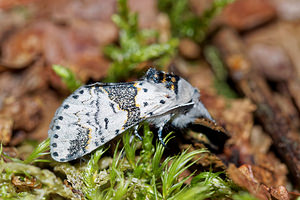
<point x="95" y="114"/>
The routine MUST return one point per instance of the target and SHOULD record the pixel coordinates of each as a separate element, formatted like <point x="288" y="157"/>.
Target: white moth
<point x="94" y="114"/>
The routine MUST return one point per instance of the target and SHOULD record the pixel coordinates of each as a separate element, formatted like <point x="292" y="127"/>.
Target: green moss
<point x="137" y="171"/>
<point x="135" y="174"/>
<point x="134" y="47"/>
<point x="67" y="76"/>
<point x="50" y="183"/>
<point x="184" y="23"/>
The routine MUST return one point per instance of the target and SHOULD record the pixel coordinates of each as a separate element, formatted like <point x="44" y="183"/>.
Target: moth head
<point x="168" y="80"/>
<point x="156" y="76"/>
<point x="183" y="90"/>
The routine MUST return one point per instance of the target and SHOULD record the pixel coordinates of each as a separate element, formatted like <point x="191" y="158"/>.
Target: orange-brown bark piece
<point x="247" y="176"/>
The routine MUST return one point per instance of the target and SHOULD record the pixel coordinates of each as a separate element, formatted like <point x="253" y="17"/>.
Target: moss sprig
<point x="185" y="23"/>
<point x="134" y="46"/>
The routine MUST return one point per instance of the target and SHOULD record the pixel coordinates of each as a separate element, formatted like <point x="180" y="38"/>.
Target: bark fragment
<point x="253" y="85"/>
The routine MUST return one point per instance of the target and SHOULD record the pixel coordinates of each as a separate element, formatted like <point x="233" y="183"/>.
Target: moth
<point x="95" y="114"/>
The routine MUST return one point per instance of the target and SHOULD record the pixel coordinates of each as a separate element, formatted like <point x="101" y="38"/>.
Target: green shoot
<point x="67" y="76"/>
<point x="7" y="156"/>
<point x="213" y="57"/>
<point x="130" y="149"/>
<point x="170" y="176"/>
<point x="41" y="150"/>
<point x="187" y="24"/>
<point x="199" y="192"/>
<point x="134" y="47"/>
<point x="115" y="169"/>
<point x="218" y="186"/>
<point x="89" y="175"/>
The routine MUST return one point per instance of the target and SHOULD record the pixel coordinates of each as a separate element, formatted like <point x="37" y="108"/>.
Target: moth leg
<point x="131" y="139"/>
<point x="160" y="137"/>
<point x="132" y="136"/>
<point x="136" y="128"/>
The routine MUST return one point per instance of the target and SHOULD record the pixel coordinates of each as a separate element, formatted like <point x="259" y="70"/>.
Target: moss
<point x="137" y="171"/>
<point x="67" y="76"/>
<point x="48" y="181"/>
<point x="184" y="23"/>
<point x="134" y="47"/>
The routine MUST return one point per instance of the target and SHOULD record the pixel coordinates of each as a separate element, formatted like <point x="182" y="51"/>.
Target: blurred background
<point x="243" y="56"/>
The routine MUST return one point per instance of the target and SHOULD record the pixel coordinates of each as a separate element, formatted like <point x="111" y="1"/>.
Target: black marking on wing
<point x="99" y="132"/>
<point x="102" y="140"/>
<point x="112" y="107"/>
<point x="96" y="116"/>
<point x="81" y="91"/>
<point x="93" y="103"/>
<point x="66" y="106"/>
<point x="78" y="145"/>
<point x="106" y="122"/>
<point x="124" y="95"/>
